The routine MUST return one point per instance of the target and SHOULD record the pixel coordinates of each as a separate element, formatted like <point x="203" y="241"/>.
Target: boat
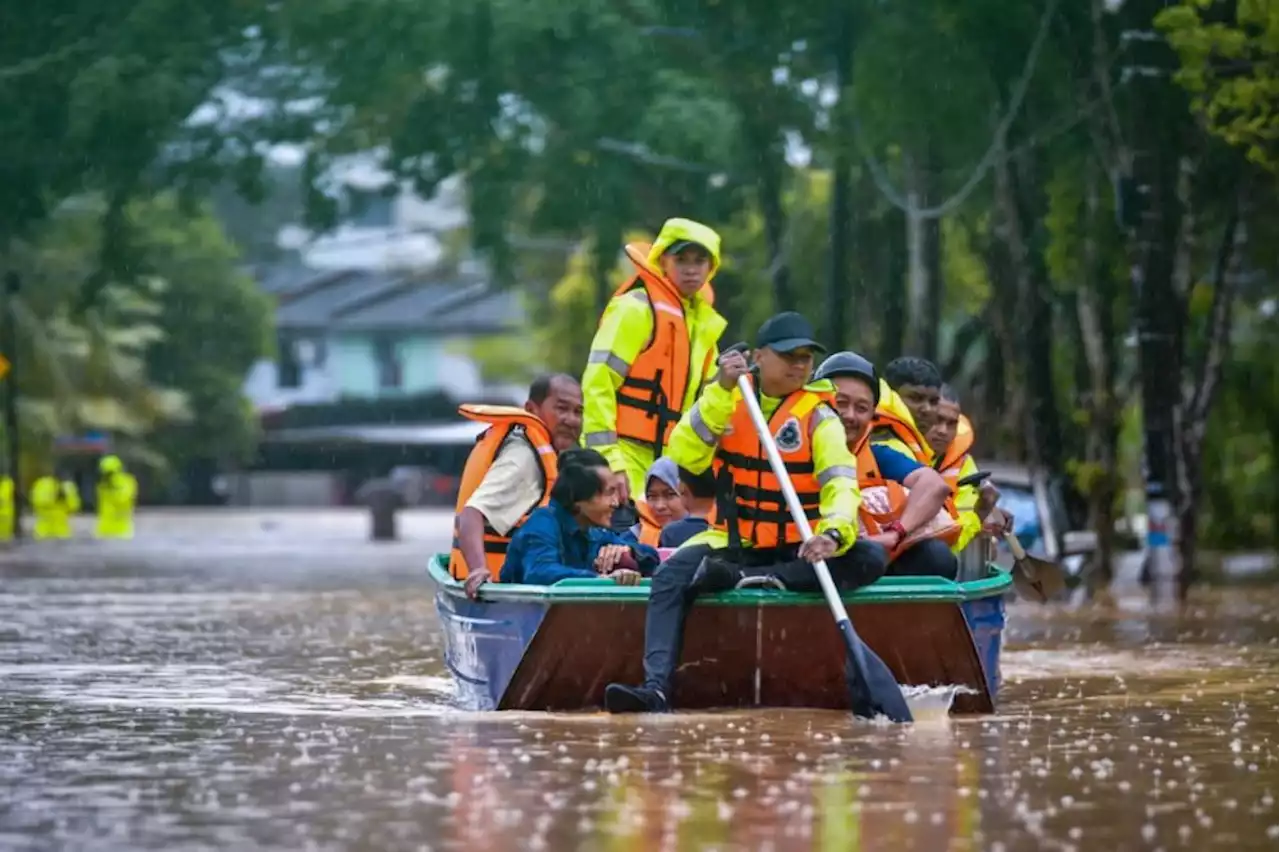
<point x="555" y="648"/>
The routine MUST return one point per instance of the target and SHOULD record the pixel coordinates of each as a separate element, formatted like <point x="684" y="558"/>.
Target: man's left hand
<point x="817" y="548"/>
<point x="997" y="523"/>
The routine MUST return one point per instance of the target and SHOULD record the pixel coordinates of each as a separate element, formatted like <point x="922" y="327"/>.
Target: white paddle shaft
<point x="789" y="492"/>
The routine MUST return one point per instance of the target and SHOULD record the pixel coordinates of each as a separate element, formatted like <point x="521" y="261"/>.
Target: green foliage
<point x="217" y="323"/>
<point x="158" y="364"/>
<point x="1230" y="69"/>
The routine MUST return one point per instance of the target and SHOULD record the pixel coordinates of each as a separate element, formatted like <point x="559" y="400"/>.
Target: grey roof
<point x="459" y="305"/>
<point x="359" y="300"/>
<point x="313" y="305"/>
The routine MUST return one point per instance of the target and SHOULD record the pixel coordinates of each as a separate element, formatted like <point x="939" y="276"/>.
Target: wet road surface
<point x="276" y="684"/>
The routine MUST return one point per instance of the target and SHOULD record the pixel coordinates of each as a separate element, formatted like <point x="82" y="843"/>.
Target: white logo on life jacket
<point x="789" y="438"/>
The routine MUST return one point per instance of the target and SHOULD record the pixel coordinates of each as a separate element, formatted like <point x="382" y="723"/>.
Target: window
<point x="288" y="367"/>
<point x="386" y="355"/>
<point x="368" y="208"/>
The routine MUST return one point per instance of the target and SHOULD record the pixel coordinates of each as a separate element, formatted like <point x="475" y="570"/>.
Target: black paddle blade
<point x="873" y="690"/>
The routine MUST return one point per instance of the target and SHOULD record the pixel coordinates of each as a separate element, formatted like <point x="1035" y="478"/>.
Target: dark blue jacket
<point x="550" y="546"/>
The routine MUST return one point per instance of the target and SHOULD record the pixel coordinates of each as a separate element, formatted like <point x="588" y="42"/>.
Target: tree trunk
<point x="1094" y="298"/>
<point x="917" y="265"/>
<point x="1032" y="327"/>
<point x="604" y="260"/>
<point x="769" y="192"/>
<point x="1193" y="414"/>
<point x="892" y="293"/>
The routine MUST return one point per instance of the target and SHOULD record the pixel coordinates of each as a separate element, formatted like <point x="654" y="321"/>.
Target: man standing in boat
<point x="756" y="542"/>
<point x="914" y="524"/>
<point x="655" y="348"/>
<point x="510" y="473"/>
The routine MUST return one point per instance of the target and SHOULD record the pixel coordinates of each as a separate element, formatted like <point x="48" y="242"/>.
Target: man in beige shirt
<point x="514" y="483"/>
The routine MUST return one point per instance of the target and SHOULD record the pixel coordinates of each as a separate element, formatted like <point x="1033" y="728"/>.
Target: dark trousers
<point x="672" y="592"/>
<point x="930" y="557"/>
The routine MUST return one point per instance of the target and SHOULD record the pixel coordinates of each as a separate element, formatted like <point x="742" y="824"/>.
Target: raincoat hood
<point x="686" y="230"/>
<point x="110" y="464"/>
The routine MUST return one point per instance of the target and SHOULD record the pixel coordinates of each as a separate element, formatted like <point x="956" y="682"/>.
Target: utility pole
<point x="12" y="284"/>
<point x="838" y="290"/>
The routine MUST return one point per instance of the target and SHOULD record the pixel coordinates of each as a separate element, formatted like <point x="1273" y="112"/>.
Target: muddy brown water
<point x="179" y="694"/>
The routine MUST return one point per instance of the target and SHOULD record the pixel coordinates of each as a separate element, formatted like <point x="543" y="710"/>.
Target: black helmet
<point x="849" y="364"/>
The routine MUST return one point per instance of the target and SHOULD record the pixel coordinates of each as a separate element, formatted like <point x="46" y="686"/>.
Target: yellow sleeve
<point x="624" y="331"/>
<point x="836" y="469"/>
<point x="694" y="439"/>
<point x="966" y="501"/>
<point x="72" y="495"/>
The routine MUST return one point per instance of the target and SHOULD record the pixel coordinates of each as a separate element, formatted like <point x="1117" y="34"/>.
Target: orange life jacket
<point x="949" y="463"/>
<point x="884" y="501"/>
<point x="650" y="529"/>
<point x="888" y="424"/>
<point x="505" y="420"/>
<point x="761" y="509"/>
<point x="651" y="398"/>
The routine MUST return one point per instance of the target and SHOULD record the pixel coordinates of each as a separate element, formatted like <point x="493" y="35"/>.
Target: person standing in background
<point x="117" y="493"/>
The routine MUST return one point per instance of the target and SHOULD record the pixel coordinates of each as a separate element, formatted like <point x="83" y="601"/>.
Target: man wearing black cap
<point x="755" y="542"/>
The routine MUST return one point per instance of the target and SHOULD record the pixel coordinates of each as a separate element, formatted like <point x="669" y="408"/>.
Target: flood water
<point x="184" y="697"/>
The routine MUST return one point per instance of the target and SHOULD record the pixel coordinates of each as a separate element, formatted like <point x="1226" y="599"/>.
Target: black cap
<point x="680" y="245"/>
<point x="786" y="332"/>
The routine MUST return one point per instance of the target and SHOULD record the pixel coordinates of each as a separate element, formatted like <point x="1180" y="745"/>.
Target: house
<point x="374" y="334"/>
<point x="372" y="308"/>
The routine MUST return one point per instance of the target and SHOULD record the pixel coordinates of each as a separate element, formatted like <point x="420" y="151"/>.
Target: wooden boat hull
<point x="556" y="648"/>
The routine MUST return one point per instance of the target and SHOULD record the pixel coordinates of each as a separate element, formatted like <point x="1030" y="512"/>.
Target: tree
<point x="1230" y="69"/>
<point x="96" y="97"/>
<point x="217" y="323"/>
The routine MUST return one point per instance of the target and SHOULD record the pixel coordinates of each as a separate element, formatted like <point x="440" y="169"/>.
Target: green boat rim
<point x="600" y="590"/>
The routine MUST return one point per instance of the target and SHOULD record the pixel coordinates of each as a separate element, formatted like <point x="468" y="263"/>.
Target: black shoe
<point x="715" y="575"/>
<point x="620" y="698"/>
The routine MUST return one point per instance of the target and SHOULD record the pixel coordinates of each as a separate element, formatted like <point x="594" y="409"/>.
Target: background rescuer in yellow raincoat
<point x="53" y="502"/>
<point x="117" y="492"/>
<point x="655" y="348"/>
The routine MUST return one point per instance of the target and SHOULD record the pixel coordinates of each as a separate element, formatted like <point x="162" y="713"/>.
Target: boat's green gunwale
<point x="884" y="591"/>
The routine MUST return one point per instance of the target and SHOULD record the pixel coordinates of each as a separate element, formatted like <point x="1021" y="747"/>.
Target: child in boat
<point x="698" y="492"/>
<point x="570" y="536"/>
<point x="755" y="532"/>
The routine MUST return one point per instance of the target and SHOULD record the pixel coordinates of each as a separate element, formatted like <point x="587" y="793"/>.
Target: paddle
<point x="1034" y="579"/>
<point x="873" y="688"/>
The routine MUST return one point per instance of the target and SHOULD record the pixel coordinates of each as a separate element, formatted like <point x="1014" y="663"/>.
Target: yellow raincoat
<point x="53" y="503"/>
<point x="117" y="493"/>
<point x="626" y="330"/>
<point x="955" y="464"/>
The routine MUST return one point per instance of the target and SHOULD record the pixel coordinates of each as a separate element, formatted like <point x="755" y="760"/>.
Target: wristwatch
<point x="835" y="536"/>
